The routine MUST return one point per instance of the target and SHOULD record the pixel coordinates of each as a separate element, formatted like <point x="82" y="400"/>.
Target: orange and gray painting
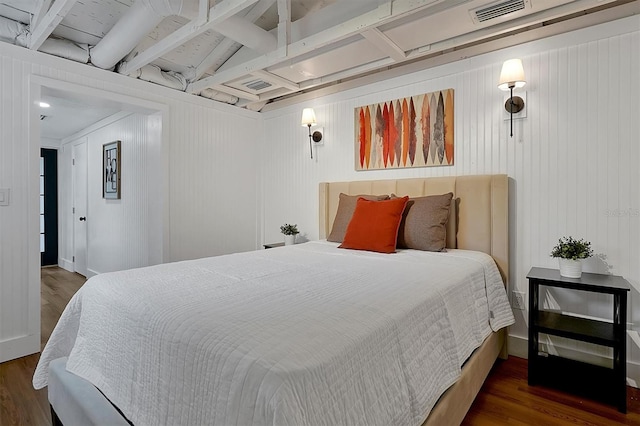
<point x="410" y="132"/>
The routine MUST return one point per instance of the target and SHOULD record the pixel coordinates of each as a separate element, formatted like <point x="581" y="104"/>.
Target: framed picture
<point x="410" y="132"/>
<point x="111" y="170"/>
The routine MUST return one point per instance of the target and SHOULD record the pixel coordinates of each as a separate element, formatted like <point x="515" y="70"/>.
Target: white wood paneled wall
<point x="573" y="161"/>
<point x="213" y="177"/>
<point x="193" y="128"/>
<point x="122" y="234"/>
<point x="19" y="262"/>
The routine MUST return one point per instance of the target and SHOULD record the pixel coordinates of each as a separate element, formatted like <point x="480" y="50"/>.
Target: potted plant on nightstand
<point x="290" y="232"/>
<point x="570" y="253"/>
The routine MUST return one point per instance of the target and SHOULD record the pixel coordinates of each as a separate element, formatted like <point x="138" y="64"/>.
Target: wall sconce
<point x="512" y="75"/>
<point x="308" y="120"/>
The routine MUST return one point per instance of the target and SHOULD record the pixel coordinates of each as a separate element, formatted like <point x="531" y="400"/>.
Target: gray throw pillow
<point x="346" y="207"/>
<point x="424" y="223"/>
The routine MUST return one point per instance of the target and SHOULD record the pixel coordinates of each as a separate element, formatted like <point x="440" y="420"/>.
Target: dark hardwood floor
<point x="20" y="404"/>
<point x="505" y="398"/>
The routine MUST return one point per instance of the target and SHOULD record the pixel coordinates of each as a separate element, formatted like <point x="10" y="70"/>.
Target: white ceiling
<point x="251" y="52"/>
<point x="66" y="117"/>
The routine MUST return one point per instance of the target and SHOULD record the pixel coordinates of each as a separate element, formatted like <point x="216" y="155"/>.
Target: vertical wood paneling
<point x="211" y="172"/>
<point x="572" y="161"/>
<point x="120" y="232"/>
<point x="213" y="183"/>
<point x="117" y="234"/>
<point x="603" y="143"/>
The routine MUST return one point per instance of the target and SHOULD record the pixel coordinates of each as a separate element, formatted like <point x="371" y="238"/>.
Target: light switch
<point x="4" y="196"/>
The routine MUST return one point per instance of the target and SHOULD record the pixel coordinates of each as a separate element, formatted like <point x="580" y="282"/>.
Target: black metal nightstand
<point x="607" y="384"/>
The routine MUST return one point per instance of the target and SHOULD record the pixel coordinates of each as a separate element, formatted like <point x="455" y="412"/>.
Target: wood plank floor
<point x="505" y="398"/>
<point x="20" y="404"/>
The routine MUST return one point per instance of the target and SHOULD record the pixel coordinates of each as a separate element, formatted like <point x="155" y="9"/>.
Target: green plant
<point x="287" y="229"/>
<point x="569" y="248"/>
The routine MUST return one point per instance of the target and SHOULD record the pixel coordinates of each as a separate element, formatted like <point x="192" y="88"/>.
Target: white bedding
<point x="300" y="335"/>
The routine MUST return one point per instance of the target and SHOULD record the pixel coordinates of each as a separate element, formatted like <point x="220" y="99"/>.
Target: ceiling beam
<point x="41" y="10"/>
<point x="333" y="77"/>
<point x="220" y="52"/>
<point x="217" y="14"/>
<point x="284" y="26"/>
<point x="217" y="54"/>
<point x="437" y="57"/>
<point x="248" y="34"/>
<point x="350" y="72"/>
<point x="169" y="43"/>
<point x="371" y="18"/>
<point x="385" y="44"/>
<point x="49" y="22"/>
<point x="265" y="97"/>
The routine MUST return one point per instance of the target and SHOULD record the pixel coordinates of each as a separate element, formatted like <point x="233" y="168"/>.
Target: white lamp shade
<point x="308" y="117"/>
<point x="512" y="75"/>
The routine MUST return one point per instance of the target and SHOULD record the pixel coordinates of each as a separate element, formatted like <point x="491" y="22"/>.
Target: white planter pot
<point x="289" y="240"/>
<point x="570" y="268"/>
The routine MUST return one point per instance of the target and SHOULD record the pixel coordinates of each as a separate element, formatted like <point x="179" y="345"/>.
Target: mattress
<point x="76" y="401"/>
<point x="304" y="334"/>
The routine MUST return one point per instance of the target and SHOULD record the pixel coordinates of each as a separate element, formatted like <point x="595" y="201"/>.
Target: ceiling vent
<point x="256" y="85"/>
<point x="496" y="10"/>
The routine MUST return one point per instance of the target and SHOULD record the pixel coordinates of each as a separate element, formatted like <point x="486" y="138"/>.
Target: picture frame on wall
<point x="415" y="131"/>
<point x="111" y="160"/>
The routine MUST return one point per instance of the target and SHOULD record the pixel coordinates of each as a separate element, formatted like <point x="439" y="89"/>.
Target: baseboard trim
<point x="18" y="347"/>
<point x="518" y="346"/>
<point x="66" y="264"/>
<point x="91" y="273"/>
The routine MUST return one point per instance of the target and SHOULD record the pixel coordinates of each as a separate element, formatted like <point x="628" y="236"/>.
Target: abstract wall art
<point x="411" y="132"/>
<point x="111" y="170"/>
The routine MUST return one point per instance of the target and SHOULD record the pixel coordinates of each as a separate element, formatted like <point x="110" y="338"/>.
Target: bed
<point x="322" y="338"/>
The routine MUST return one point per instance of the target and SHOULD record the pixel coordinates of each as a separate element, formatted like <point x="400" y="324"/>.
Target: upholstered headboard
<point x="482" y="221"/>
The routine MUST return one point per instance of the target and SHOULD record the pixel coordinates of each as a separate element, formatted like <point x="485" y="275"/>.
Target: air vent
<point x="256" y="85"/>
<point x="496" y="10"/>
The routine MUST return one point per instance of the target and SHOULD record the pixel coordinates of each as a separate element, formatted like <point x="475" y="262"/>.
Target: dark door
<point x="48" y="206"/>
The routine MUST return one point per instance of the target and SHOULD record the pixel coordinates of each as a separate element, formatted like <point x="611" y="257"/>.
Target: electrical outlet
<point x="517" y="300"/>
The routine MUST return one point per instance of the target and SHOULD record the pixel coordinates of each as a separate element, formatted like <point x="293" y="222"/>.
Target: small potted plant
<point x="290" y="232"/>
<point x="570" y="253"/>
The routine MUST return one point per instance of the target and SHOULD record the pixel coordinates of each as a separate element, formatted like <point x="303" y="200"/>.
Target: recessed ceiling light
<point x="44" y="105"/>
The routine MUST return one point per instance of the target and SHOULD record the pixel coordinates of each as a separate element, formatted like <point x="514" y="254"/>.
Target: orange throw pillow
<point x="374" y="225"/>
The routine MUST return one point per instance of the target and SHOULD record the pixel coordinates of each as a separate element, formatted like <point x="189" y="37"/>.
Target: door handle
<point x="82" y="218"/>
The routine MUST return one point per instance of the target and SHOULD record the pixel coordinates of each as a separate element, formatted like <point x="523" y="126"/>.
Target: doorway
<point x="27" y="311"/>
<point x="78" y="122"/>
<point x="48" y="207"/>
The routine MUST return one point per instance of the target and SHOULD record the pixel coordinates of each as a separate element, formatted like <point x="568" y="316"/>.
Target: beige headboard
<point x="482" y="208"/>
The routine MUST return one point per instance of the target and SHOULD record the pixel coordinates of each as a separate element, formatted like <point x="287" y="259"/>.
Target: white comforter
<point x="301" y="335"/>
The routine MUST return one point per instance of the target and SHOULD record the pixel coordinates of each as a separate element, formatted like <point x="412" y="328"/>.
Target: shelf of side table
<point x="575" y="376"/>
